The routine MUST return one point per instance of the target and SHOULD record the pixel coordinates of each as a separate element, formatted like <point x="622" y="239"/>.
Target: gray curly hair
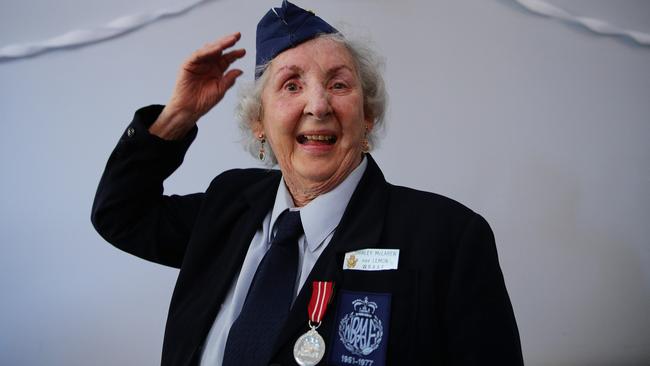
<point x="375" y="98"/>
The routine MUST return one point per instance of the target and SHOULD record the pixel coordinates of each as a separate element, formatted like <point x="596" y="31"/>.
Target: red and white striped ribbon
<point x="321" y="295"/>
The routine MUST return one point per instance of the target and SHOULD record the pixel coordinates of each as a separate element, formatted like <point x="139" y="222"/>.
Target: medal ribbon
<point x="321" y="294"/>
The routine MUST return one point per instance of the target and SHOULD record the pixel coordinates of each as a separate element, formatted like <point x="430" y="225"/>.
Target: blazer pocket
<point x="402" y="286"/>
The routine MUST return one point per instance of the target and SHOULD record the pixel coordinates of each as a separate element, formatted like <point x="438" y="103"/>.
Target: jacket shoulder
<point x="429" y="214"/>
<point x="237" y="180"/>
<point x="415" y="200"/>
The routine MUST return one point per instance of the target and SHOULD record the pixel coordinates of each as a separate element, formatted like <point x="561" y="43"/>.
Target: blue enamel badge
<point x="361" y="334"/>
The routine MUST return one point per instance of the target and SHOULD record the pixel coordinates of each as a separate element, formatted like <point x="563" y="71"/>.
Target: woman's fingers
<point x="205" y="77"/>
<point x="234" y="55"/>
<point x="213" y="66"/>
<point x="215" y="48"/>
<point x="227" y="41"/>
<point x="229" y="78"/>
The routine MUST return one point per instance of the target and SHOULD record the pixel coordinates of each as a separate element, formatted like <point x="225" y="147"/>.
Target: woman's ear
<point x="369" y="123"/>
<point x="368" y="119"/>
<point x="260" y="113"/>
<point x="257" y="128"/>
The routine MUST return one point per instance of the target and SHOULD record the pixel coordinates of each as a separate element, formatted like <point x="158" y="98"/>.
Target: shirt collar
<point x="322" y="215"/>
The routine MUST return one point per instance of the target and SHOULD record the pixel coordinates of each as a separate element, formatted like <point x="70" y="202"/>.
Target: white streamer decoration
<point x="594" y="25"/>
<point x="129" y="23"/>
<point x="83" y="37"/>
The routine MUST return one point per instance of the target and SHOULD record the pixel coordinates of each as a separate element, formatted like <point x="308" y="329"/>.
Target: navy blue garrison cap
<point x="283" y="28"/>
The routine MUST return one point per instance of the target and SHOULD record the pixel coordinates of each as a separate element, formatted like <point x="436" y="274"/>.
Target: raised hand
<point x="202" y="82"/>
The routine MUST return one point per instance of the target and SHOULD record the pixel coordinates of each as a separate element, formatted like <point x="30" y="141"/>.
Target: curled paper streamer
<point x="83" y="37"/>
<point x="129" y="23"/>
<point x="595" y="25"/>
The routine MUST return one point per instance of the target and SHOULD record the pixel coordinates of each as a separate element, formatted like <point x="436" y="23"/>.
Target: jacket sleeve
<point x="130" y="210"/>
<point x="479" y="318"/>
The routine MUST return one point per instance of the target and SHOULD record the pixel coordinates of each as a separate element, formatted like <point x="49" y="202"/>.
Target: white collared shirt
<point x="320" y="217"/>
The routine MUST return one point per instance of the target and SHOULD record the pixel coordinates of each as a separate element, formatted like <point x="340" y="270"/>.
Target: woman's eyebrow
<point x="295" y="69"/>
<point x="289" y="68"/>
<point x="338" y="68"/>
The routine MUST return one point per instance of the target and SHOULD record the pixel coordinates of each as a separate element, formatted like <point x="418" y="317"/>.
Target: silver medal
<point x="309" y="348"/>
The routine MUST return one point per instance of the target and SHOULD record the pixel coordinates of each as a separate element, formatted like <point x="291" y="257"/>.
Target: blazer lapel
<point x="360" y="227"/>
<point x="258" y="200"/>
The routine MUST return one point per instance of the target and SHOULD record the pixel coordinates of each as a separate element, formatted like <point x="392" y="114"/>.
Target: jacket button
<point x="130" y="131"/>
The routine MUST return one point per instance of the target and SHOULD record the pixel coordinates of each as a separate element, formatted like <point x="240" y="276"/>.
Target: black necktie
<point x="267" y="305"/>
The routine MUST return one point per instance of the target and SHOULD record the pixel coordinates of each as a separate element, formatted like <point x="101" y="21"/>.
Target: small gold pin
<point x="352" y="261"/>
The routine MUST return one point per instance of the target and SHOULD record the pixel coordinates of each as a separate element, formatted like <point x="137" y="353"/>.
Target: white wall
<point x="541" y="127"/>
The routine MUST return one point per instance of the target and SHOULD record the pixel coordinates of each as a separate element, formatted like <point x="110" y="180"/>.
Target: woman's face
<point x="313" y="114"/>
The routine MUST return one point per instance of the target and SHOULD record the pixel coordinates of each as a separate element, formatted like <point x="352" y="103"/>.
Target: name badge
<point x="371" y="259"/>
<point x="361" y="335"/>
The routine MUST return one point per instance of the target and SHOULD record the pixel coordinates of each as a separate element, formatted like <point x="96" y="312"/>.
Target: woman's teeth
<point x="328" y="139"/>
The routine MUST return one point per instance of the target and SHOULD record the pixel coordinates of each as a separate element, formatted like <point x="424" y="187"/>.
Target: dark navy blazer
<point x="449" y="302"/>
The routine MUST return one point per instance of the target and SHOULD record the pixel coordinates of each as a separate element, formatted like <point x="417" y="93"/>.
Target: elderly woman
<point x="322" y="262"/>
